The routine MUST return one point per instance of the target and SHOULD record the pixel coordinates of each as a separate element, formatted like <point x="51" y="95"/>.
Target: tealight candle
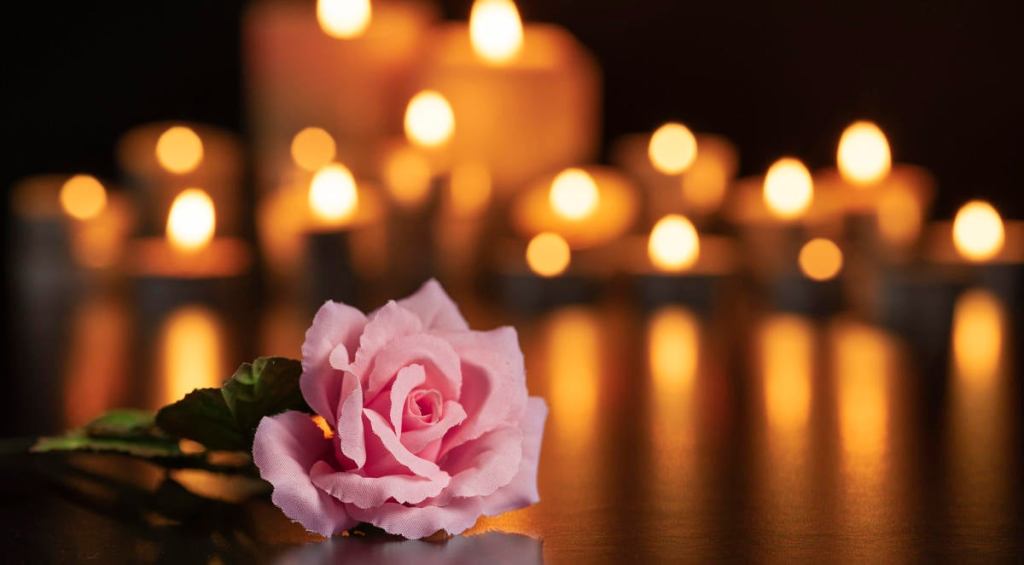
<point x="343" y="66"/>
<point x="334" y="202"/>
<point x="980" y="248"/>
<point x="679" y="171"/>
<point x="773" y="213"/>
<point x="680" y="265"/>
<point x="588" y="206"/>
<point x="162" y="159"/>
<point x="188" y="261"/>
<point x="541" y="275"/>
<point x="883" y="204"/>
<point x="526" y="98"/>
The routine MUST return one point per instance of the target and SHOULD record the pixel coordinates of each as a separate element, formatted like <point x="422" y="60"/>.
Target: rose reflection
<point x="491" y="547"/>
<point x="981" y="412"/>
<point x="192" y="353"/>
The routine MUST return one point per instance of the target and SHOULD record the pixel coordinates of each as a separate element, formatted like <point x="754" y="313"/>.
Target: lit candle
<point x="589" y="206"/>
<point x="526" y="97"/>
<point x="883" y="203"/>
<point x="980" y="247"/>
<point x="344" y="66"/>
<point x="190" y="249"/>
<point x="773" y="214"/>
<point x="161" y="159"/>
<point x="333" y="203"/>
<point x="81" y="217"/>
<point x="542" y="274"/>
<point x="680" y="171"/>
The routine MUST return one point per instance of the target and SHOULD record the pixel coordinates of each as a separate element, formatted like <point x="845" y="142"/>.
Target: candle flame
<point x="495" y="30"/>
<point x="788" y="188"/>
<point x="978" y="231"/>
<point x="573" y="194"/>
<point x="429" y="119"/>
<point x="83" y="197"/>
<point x="192" y="220"/>
<point x="333" y="198"/>
<point x="863" y="155"/>
<point x="179" y="150"/>
<point x="672" y="149"/>
<point x="820" y="259"/>
<point x="673" y="244"/>
<point x="548" y="254"/>
<point x="313" y="148"/>
<point x="344" y="19"/>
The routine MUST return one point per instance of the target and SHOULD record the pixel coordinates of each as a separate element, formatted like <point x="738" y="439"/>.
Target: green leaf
<point x="79" y="440"/>
<point x="226" y="418"/>
<point x="124" y="423"/>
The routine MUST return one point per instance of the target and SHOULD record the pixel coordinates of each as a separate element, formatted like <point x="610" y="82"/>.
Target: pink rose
<point x="430" y="424"/>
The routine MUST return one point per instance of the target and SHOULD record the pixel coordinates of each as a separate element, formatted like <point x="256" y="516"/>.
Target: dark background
<point x="941" y="77"/>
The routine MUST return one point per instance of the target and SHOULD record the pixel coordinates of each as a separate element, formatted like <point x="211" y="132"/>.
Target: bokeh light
<point x="820" y="259"/>
<point x="429" y="119"/>
<point x="548" y="254"/>
<point x="333" y="198"/>
<point x="673" y="244"/>
<point x="978" y="231"/>
<point x="573" y="194"/>
<point x="179" y="150"/>
<point x="313" y="148"/>
<point x="672" y="149"/>
<point x="788" y="188"/>
<point x="83" y="197"/>
<point x="344" y="19"/>
<point x="863" y="156"/>
<point x="495" y="30"/>
<point x="192" y="220"/>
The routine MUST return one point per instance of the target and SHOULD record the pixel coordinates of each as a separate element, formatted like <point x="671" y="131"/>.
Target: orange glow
<point x="573" y="350"/>
<point x="322" y="424"/>
<point x="573" y="194"/>
<point x="706" y="180"/>
<point x="96" y="366"/>
<point x="673" y="244"/>
<point x="548" y="254"/>
<point x="978" y="337"/>
<point x="83" y="197"/>
<point x="863" y="368"/>
<point x="672" y="347"/>
<point x="407" y="174"/>
<point x="788" y="189"/>
<point x="820" y="259"/>
<point x="470" y="189"/>
<point x="313" y="148"/>
<point x="899" y="216"/>
<point x="672" y="149"/>
<point x="863" y="156"/>
<point x="344" y="19"/>
<point x="191" y="353"/>
<point x="978" y="231"/>
<point x="429" y="119"/>
<point x="179" y="150"/>
<point x="192" y="220"/>
<point x="787" y="365"/>
<point x="495" y="30"/>
<point x="333" y="198"/>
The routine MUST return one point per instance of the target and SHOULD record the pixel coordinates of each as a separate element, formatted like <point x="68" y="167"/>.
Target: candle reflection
<point x="863" y="367"/>
<point x="574" y="369"/>
<point x="982" y="429"/>
<point x="787" y="356"/>
<point x="673" y="343"/>
<point x="191" y="353"/>
<point x="96" y="364"/>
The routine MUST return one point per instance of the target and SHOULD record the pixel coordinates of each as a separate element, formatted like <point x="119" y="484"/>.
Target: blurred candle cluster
<point x="386" y="146"/>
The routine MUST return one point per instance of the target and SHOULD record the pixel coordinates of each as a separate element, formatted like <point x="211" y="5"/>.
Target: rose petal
<point x="394" y="447"/>
<point x="408" y="378"/>
<point x="285" y="449"/>
<point x="493" y="382"/>
<point x="368" y="492"/>
<point x="482" y="466"/>
<point x="389" y="322"/>
<point x="350" y="420"/>
<point x="414" y="522"/>
<point x="334" y="325"/>
<point x="521" y="491"/>
<point x="439" y="359"/>
<point x="417" y="439"/>
<point x="434" y="308"/>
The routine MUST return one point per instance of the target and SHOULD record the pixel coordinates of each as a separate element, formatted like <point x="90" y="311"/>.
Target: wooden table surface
<point x="674" y="435"/>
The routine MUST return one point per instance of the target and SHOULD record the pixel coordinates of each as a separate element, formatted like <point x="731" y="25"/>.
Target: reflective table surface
<point x="734" y="433"/>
